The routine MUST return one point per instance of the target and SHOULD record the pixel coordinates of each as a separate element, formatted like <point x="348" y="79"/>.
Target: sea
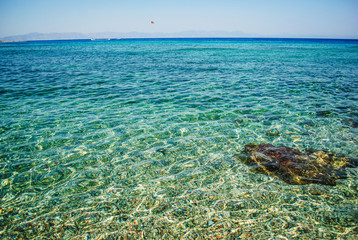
<point x="136" y="138"/>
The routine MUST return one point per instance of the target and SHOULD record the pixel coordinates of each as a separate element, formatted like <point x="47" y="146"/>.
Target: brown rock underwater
<point x="295" y="167"/>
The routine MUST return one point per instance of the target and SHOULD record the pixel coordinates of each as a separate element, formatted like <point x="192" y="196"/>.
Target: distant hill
<point x="45" y="36"/>
<point x="74" y="35"/>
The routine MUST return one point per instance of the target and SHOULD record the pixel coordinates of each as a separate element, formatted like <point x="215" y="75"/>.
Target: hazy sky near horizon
<point x="291" y="18"/>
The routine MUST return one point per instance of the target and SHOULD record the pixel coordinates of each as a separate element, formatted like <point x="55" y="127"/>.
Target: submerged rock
<point x="295" y="167"/>
<point x="350" y="122"/>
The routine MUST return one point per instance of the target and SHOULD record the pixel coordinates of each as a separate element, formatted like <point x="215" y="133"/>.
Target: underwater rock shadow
<point x="295" y="167"/>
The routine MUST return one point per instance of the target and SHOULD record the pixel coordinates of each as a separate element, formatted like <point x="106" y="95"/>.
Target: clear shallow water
<point x="135" y="138"/>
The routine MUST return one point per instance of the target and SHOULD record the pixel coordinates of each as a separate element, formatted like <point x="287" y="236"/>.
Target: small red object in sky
<point x="152" y="22"/>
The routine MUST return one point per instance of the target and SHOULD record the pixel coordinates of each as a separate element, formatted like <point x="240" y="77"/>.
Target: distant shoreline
<point x="183" y="38"/>
<point x="38" y="36"/>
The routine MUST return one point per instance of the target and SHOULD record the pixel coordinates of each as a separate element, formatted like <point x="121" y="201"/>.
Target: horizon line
<point x="153" y="38"/>
<point x="39" y="36"/>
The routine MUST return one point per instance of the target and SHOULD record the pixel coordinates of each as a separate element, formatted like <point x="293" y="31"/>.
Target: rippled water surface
<point x="136" y="138"/>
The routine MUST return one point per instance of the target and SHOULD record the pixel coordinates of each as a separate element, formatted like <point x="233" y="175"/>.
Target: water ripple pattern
<point x="134" y="139"/>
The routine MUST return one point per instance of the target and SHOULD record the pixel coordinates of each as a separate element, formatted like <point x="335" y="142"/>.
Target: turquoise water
<point x="136" y="138"/>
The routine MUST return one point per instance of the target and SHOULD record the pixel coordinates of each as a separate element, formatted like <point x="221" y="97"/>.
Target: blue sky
<point x="291" y="18"/>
